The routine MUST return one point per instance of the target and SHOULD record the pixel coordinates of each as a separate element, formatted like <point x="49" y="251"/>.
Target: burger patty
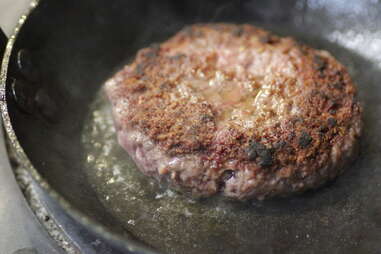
<point x="236" y="110"/>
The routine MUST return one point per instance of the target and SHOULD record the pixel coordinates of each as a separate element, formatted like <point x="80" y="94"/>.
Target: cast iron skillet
<point x="57" y="120"/>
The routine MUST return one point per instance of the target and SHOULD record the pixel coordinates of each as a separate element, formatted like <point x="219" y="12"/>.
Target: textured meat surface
<point x="236" y="110"/>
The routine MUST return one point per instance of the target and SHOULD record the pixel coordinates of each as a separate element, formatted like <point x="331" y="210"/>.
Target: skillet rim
<point x="115" y="239"/>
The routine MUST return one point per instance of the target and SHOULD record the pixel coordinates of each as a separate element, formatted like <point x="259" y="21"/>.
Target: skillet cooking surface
<point x="76" y="45"/>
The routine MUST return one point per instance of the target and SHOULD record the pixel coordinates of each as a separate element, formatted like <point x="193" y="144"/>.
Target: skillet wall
<point x="75" y="45"/>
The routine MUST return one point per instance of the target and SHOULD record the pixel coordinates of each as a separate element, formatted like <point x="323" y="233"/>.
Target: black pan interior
<point x="74" y="46"/>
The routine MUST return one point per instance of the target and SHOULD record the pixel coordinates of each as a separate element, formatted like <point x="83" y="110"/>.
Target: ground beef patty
<point x="236" y="110"/>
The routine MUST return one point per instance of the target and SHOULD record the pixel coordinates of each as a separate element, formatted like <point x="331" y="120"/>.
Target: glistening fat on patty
<point x="236" y="110"/>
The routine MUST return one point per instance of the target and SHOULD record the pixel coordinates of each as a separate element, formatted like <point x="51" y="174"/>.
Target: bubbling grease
<point x="252" y="102"/>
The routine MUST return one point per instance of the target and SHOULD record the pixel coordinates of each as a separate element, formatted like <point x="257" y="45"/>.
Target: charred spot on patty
<point x="323" y="129"/>
<point x="331" y="122"/>
<point x="319" y="63"/>
<point x="259" y="151"/>
<point x="304" y="140"/>
<point x="225" y="176"/>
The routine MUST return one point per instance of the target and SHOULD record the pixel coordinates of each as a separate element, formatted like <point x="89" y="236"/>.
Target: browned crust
<point x="329" y="111"/>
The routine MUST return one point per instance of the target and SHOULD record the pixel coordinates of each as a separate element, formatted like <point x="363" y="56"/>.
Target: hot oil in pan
<point x="158" y="216"/>
<point x="174" y="223"/>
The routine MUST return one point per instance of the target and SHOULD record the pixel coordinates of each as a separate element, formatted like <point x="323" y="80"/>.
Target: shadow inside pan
<point x="78" y="45"/>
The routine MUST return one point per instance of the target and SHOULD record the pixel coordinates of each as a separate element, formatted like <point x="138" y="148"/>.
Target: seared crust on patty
<point x="234" y="109"/>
